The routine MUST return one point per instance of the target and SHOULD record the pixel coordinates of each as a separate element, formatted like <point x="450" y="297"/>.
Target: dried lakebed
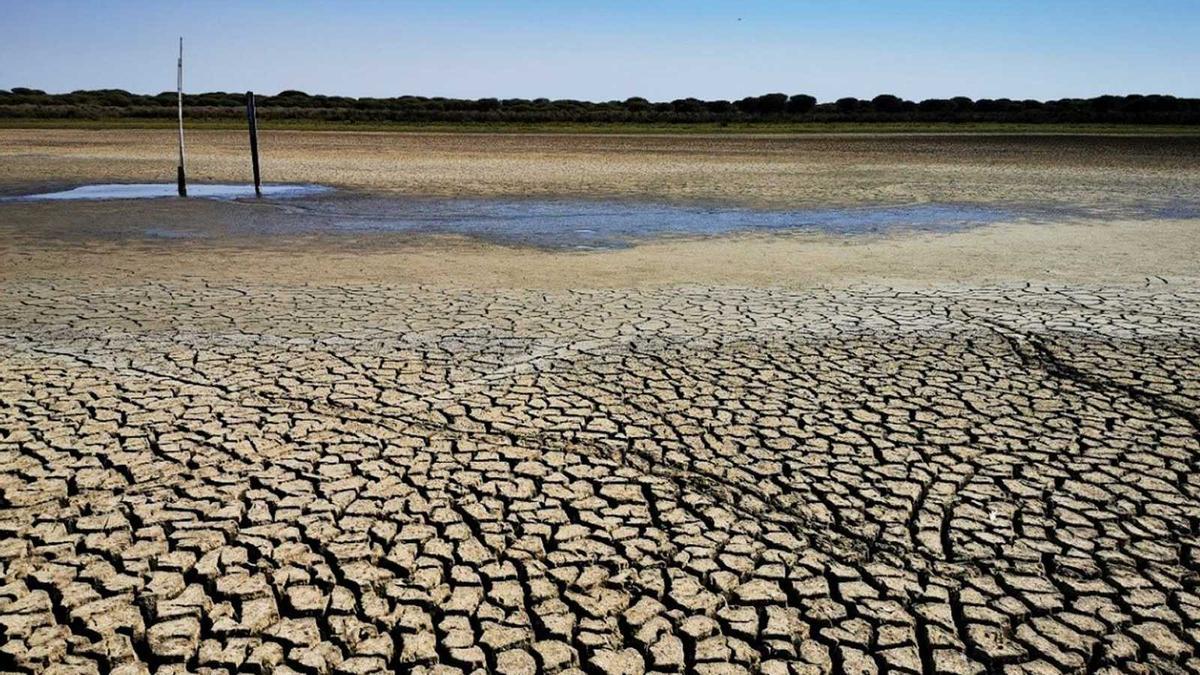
<point x="151" y="211"/>
<point x="214" y="478"/>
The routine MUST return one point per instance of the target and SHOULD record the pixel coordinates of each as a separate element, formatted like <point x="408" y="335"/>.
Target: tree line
<point x="21" y="102"/>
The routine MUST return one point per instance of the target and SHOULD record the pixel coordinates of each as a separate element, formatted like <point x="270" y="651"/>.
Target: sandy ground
<point x="757" y="170"/>
<point x="964" y="453"/>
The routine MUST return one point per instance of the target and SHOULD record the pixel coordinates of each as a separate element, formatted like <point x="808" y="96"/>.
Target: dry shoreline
<point x="1129" y="252"/>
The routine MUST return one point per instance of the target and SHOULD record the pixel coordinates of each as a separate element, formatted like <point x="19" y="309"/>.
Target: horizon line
<point x="12" y="90"/>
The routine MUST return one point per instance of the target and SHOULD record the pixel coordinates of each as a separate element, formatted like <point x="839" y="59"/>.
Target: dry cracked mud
<point x="206" y="478"/>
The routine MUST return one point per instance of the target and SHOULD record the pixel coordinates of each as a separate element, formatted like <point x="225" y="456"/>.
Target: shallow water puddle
<point x="585" y="224"/>
<point x="162" y="190"/>
<point x="304" y="209"/>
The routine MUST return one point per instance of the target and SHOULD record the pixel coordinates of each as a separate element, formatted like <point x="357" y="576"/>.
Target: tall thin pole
<point x="182" y="178"/>
<point x="252" y="118"/>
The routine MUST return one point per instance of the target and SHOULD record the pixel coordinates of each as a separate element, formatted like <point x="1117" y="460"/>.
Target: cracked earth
<point x="208" y="478"/>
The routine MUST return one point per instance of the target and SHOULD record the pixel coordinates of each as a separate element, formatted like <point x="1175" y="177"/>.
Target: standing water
<point x="549" y="223"/>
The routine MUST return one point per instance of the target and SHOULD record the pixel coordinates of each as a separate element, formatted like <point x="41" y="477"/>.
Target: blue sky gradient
<point x="661" y="50"/>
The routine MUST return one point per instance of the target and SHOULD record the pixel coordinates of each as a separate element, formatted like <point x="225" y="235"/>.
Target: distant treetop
<point x="24" y="102"/>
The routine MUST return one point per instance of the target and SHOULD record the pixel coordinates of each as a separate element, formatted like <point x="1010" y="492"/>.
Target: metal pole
<point x="251" y="117"/>
<point x="181" y="177"/>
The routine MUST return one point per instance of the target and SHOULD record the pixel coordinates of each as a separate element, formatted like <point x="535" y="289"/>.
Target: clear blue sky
<point x="660" y="49"/>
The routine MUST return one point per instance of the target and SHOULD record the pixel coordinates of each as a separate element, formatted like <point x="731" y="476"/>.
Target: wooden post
<point x="251" y="117"/>
<point x="182" y="176"/>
